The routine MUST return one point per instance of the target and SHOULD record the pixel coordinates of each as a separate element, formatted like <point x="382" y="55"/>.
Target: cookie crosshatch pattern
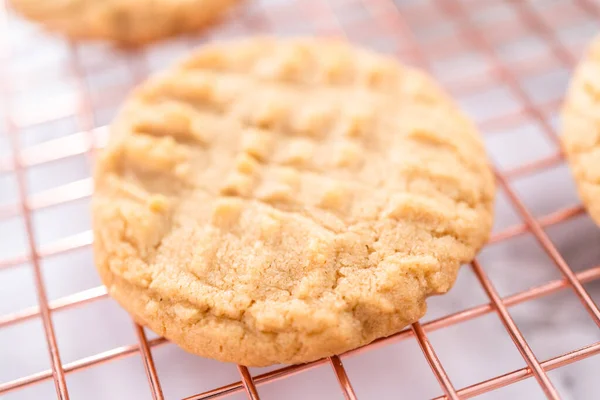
<point x="506" y="62"/>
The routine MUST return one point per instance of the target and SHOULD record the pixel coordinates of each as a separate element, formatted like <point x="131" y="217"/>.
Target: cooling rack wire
<point x="420" y="33"/>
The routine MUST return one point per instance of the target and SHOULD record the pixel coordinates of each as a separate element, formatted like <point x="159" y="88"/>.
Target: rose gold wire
<point x="76" y="299"/>
<point x="524" y="373"/>
<point x="552" y="251"/>
<point x="81" y="364"/>
<point x="55" y="150"/>
<point x="471" y="391"/>
<point x="57" y="368"/>
<point x="248" y="383"/>
<point x="537" y="165"/>
<point x="85" y="121"/>
<point x="538" y="24"/>
<point x="64" y="194"/>
<point x="267" y="377"/>
<point x="542" y="27"/>
<point x="434" y="361"/>
<point x="62" y="246"/>
<point x="342" y="377"/>
<point x="515" y="333"/>
<point x="45" y="152"/>
<point x="478" y="41"/>
<point x="149" y="367"/>
<point x="546" y="221"/>
<point x="461" y="86"/>
<point x="442" y="322"/>
<point x="58" y="374"/>
<point x="501" y="123"/>
<point x="85" y="114"/>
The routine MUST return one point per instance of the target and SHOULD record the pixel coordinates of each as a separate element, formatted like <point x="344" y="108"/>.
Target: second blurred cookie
<point x="581" y="133"/>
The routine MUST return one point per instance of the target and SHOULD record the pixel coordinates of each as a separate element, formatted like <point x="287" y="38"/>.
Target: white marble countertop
<point x="470" y="351"/>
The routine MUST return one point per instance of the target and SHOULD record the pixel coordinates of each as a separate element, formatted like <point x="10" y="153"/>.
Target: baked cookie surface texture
<point x="277" y="201"/>
<point x="123" y="21"/>
<point x="581" y="128"/>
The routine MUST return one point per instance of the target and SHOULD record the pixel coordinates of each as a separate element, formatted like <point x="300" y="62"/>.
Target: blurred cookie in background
<point x="127" y="22"/>
<point x="581" y="133"/>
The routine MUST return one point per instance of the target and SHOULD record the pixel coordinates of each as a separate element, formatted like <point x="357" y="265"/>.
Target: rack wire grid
<point x="507" y="63"/>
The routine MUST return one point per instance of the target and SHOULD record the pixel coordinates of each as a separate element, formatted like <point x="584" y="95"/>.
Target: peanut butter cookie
<point x="277" y="201"/>
<point x="581" y="128"/>
<point x="128" y="22"/>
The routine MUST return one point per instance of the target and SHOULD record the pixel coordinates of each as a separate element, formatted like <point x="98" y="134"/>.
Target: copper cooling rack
<point x="419" y="32"/>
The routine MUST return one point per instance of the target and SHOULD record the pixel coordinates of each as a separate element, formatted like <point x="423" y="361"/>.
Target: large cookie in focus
<point x="277" y="201"/>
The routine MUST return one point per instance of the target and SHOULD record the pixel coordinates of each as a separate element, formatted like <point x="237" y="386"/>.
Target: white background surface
<point x="36" y="73"/>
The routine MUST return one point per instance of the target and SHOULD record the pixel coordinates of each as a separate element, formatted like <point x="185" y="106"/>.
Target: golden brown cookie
<point x="277" y="201"/>
<point x="124" y="21"/>
<point x="581" y="128"/>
